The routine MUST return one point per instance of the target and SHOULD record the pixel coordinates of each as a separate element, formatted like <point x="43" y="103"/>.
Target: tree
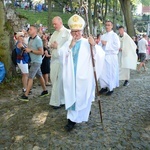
<point x="90" y="15"/>
<point x="5" y="40"/>
<point x="95" y="18"/>
<point x="114" y="14"/>
<point x="49" y="15"/>
<point x="103" y="7"/>
<point x="126" y="8"/>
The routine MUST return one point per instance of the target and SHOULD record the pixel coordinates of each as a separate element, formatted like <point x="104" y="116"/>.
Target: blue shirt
<point x="22" y="55"/>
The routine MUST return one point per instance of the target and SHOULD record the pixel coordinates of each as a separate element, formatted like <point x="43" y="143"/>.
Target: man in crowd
<point x="127" y="56"/>
<point x="35" y="48"/>
<point x="142" y="46"/>
<point x="58" y="38"/>
<point x="110" y="73"/>
<point x="78" y="76"/>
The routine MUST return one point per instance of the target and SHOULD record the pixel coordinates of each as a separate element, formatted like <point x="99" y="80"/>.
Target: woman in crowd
<point x="22" y="59"/>
<point x="45" y="67"/>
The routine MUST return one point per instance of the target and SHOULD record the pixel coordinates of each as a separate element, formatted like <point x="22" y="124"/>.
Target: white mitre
<point x="76" y="22"/>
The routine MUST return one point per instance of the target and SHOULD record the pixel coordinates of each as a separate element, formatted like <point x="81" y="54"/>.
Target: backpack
<point x="14" y="56"/>
<point x="2" y="72"/>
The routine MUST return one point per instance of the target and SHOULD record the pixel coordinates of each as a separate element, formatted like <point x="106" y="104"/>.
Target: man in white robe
<point x="110" y="74"/>
<point x="78" y="76"/>
<point x="58" y="38"/>
<point x="127" y="56"/>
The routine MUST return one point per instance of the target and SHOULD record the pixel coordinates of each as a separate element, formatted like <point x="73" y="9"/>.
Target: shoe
<point x="56" y="107"/>
<point x="109" y="93"/>
<point x="70" y="125"/>
<point x="23" y="90"/>
<point x="24" y="98"/>
<point x="44" y="93"/>
<point x="126" y="83"/>
<point x="139" y="71"/>
<point x="145" y="69"/>
<point x="30" y="92"/>
<point x="48" y="84"/>
<point x="103" y="90"/>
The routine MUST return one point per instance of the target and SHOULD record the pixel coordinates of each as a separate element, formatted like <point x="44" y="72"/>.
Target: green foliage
<point x="135" y="2"/>
<point x="145" y="2"/>
<point x="10" y="83"/>
<point x="42" y="17"/>
<point x="8" y="27"/>
<point x="22" y="16"/>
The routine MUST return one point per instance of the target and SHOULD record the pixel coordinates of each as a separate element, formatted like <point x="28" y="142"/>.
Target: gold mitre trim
<point x="75" y="18"/>
<point x="76" y="26"/>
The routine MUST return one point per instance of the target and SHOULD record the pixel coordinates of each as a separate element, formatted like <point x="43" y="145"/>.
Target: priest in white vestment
<point x="110" y="74"/>
<point x="127" y="56"/>
<point x="58" y="38"/>
<point x="78" y="76"/>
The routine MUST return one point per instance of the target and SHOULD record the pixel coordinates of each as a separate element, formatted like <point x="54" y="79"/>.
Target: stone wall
<point x="17" y="22"/>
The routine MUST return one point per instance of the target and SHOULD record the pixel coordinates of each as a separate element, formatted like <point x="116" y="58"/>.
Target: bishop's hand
<point x="73" y="42"/>
<point x="91" y="41"/>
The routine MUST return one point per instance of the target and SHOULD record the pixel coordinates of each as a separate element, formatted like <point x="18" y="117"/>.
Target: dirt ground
<point x="35" y="125"/>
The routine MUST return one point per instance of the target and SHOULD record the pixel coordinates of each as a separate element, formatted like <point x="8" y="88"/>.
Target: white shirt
<point x="142" y="45"/>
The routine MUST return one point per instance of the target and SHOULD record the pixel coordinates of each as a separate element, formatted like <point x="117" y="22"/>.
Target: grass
<point x="41" y="17"/>
<point x="10" y="84"/>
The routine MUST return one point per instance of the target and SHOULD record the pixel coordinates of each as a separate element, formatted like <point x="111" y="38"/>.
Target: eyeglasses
<point x="75" y="31"/>
<point x="107" y="25"/>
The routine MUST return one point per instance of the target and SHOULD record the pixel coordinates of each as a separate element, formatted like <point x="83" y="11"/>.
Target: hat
<point x="19" y="34"/>
<point x="76" y="22"/>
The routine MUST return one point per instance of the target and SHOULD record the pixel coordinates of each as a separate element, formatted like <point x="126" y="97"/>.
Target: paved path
<point x="36" y="126"/>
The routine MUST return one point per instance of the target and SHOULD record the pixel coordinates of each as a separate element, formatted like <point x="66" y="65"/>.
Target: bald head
<point x="57" y="23"/>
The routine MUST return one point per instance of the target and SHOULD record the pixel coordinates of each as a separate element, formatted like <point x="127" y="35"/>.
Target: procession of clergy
<point x="72" y="72"/>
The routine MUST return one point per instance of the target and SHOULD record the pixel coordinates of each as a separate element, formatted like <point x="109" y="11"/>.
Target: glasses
<point x="107" y="25"/>
<point x="75" y="31"/>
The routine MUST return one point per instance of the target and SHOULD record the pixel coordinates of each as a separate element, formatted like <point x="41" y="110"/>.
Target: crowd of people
<point x="65" y="57"/>
<point x="28" y="5"/>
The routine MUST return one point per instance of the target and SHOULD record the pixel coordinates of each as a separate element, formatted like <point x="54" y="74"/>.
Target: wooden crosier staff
<point x="85" y="6"/>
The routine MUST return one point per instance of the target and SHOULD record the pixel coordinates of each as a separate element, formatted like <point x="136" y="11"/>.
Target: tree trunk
<point x="102" y="11"/>
<point x="126" y="8"/>
<point x="114" y="14"/>
<point x="90" y="16"/>
<point x="49" y="16"/>
<point x="95" y="19"/>
<point x="106" y="7"/>
<point x="5" y="41"/>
